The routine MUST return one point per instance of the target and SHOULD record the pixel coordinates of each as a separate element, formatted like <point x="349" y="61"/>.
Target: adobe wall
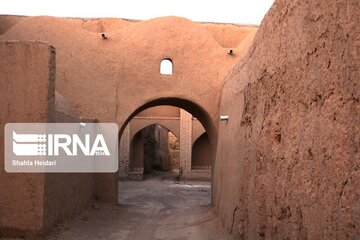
<point x="137" y="151"/>
<point x="32" y="203"/>
<point x="174" y="150"/>
<point x="288" y="159"/>
<point x="197" y="129"/>
<point x="67" y="194"/>
<point x="160" y="111"/>
<point x="110" y="79"/>
<point x="156" y="149"/>
<point x="118" y="75"/>
<point x="26" y="94"/>
<point x="8" y="21"/>
<point x="200" y="154"/>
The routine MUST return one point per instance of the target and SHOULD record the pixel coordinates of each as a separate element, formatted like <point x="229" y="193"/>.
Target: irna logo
<point x="61" y="147"/>
<point x="55" y="144"/>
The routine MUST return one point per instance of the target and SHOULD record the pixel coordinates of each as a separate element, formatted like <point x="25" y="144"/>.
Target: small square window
<point x="166" y="67"/>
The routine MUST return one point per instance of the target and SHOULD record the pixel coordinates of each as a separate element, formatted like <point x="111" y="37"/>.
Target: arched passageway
<point x="154" y="147"/>
<point x="188" y="121"/>
<point x="150" y="179"/>
<point x="186" y="125"/>
<point x="189" y="106"/>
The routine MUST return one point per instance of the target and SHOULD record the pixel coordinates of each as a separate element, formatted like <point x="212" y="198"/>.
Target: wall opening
<point x="148" y="138"/>
<point x="166" y="67"/>
<point x="154" y="148"/>
<point x="136" y="156"/>
<point x="158" y="111"/>
<point x="160" y="138"/>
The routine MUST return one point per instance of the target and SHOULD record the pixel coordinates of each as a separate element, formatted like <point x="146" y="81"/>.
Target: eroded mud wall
<point x="67" y="194"/>
<point x="288" y="159"/>
<point x="26" y="80"/>
<point x="31" y="203"/>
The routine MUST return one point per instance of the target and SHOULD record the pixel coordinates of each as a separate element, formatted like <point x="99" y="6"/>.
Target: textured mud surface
<point x="291" y="146"/>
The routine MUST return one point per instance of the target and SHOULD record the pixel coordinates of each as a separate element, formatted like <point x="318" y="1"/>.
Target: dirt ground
<point x="157" y="208"/>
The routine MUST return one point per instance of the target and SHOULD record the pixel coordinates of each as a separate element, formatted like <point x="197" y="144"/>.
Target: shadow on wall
<point x="201" y="153"/>
<point x="154" y="147"/>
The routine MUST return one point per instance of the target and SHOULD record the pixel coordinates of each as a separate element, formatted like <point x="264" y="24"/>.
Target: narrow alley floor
<point x="157" y="208"/>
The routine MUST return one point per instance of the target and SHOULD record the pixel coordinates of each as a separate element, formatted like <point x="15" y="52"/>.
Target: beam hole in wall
<point x="166" y="66"/>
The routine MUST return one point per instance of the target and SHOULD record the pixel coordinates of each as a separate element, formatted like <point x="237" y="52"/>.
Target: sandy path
<point x="157" y="208"/>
